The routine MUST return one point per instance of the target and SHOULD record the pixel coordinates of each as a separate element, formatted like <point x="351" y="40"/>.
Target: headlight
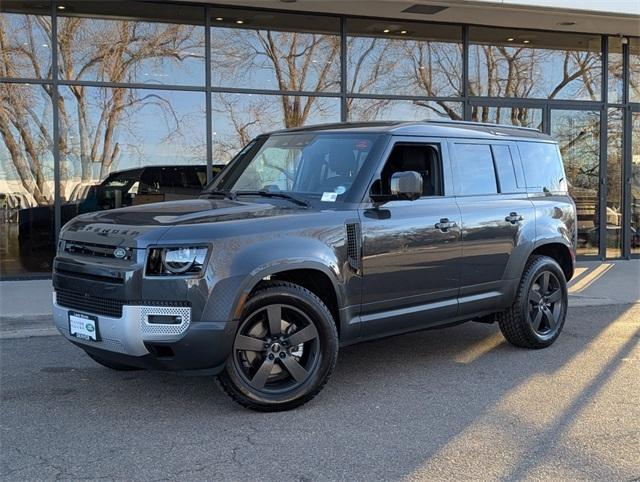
<point x="181" y="261"/>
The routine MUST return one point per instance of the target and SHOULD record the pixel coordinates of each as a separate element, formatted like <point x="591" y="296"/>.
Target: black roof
<point x="436" y="128"/>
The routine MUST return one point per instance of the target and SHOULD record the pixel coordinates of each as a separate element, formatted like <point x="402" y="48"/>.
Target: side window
<point x="473" y="169"/>
<point x="504" y="168"/>
<point x="195" y="177"/>
<point x="421" y="158"/>
<point x="542" y="166"/>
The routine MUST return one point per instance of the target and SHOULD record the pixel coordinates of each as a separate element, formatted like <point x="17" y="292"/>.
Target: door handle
<point x="445" y="224"/>
<point x="513" y="218"/>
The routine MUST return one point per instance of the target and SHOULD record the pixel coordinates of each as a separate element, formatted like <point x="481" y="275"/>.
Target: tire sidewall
<point x="327" y="337"/>
<point x="540" y="265"/>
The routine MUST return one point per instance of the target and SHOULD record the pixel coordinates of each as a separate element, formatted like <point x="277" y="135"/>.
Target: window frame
<point x="442" y="148"/>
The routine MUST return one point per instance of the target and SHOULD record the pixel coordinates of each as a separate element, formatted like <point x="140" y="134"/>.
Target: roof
<point x="436" y="128"/>
<point x="160" y="166"/>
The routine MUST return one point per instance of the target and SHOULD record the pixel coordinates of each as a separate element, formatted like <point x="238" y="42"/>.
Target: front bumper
<point x="203" y="346"/>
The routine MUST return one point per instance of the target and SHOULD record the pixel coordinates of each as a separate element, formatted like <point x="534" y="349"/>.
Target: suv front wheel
<point x="537" y="316"/>
<point x="284" y="351"/>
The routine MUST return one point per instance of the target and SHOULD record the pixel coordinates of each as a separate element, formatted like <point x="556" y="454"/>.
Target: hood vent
<point x="425" y="9"/>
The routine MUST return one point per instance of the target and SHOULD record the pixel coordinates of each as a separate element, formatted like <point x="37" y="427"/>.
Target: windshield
<point x="316" y="165"/>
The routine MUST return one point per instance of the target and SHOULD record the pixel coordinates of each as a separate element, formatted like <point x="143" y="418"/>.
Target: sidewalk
<point x="25" y="309"/>
<point x="605" y="283"/>
<point x="25" y="306"/>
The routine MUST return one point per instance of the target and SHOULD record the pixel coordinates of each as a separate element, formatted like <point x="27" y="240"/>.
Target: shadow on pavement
<point x="457" y="402"/>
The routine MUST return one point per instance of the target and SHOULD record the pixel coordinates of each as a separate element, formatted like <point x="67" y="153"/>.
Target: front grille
<point x="96" y="250"/>
<point x="91" y="304"/>
<point x="106" y="306"/>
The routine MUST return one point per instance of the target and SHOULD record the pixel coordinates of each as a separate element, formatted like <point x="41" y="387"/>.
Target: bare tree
<point x="114" y="51"/>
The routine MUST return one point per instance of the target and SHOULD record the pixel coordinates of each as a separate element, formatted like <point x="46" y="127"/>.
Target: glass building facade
<point x="90" y="88"/>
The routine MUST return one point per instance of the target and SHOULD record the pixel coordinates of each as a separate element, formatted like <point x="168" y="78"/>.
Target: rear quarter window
<point x="542" y="165"/>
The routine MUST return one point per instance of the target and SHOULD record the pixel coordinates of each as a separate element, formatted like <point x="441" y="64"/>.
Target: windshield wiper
<point x="217" y="192"/>
<point x="281" y="195"/>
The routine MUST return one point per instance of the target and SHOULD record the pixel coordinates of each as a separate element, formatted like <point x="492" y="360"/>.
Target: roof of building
<point x="436" y="128"/>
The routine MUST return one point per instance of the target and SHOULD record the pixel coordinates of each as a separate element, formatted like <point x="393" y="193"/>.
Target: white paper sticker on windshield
<point x="329" y="197"/>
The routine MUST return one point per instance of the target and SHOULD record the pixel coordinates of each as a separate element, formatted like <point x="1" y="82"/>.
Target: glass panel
<point x="323" y="165"/>
<point x="135" y="51"/>
<point x="276" y="51"/>
<point x="614" y="183"/>
<point x="474" y="171"/>
<point x="635" y="183"/>
<point x="578" y="135"/>
<point x="504" y="168"/>
<point x="25" y="41"/>
<point x="386" y="109"/>
<point x="513" y="116"/>
<point x="615" y="68"/>
<point x="542" y="166"/>
<point x="103" y="130"/>
<point x="26" y="180"/>
<point x="238" y="118"/>
<point x="634" y="69"/>
<point x="527" y="63"/>
<point x="405" y="58"/>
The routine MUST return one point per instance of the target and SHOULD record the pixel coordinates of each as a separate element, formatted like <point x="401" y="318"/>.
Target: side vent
<point x="354" y="255"/>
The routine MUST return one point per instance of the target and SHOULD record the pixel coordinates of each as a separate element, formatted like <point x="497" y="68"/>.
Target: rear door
<point x="491" y="194"/>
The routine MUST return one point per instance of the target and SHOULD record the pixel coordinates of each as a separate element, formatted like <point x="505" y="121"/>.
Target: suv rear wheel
<point x="284" y="351"/>
<point x="537" y="316"/>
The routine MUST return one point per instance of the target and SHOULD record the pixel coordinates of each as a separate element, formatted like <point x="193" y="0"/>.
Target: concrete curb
<point x="28" y="333"/>
<point x="35" y="318"/>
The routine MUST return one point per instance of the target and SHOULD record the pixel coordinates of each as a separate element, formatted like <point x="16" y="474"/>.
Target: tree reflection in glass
<point x="521" y="63"/>
<point x="578" y="135"/>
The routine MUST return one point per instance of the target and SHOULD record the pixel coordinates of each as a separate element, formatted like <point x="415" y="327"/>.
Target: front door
<point x="411" y="249"/>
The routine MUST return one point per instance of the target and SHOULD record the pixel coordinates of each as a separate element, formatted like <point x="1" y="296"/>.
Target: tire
<point x="284" y="350"/>
<point x="537" y="316"/>
<point x="112" y="365"/>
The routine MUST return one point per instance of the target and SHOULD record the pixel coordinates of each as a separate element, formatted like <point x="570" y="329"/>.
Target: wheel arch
<point x="558" y="251"/>
<point x="310" y="274"/>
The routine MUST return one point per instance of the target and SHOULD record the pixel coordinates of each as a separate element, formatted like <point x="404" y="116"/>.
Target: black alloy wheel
<point x="536" y="317"/>
<point x="545" y="304"/>
<point x="284" y="351"/>
<point x="276" y="348"/>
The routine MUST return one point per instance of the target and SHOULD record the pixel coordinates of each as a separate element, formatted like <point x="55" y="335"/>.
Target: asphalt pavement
<point x="456" y="403"/>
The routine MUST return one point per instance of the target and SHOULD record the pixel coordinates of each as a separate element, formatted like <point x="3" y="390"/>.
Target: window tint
<point x="542" y="166"/>
<point x="504" y="168"/>
<point x="473" y="168"/>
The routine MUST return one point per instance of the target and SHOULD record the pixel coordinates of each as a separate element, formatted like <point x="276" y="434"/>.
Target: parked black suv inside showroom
<point x="321" y="237"/>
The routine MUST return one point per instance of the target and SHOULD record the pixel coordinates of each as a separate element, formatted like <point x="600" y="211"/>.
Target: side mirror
<point x="406" y="185"/>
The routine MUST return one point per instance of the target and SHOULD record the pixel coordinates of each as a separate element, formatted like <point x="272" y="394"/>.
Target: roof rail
<point x="483" y="124"/>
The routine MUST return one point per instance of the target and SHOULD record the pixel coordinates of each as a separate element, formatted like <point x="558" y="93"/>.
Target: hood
<point x="191" y="211"/>
<point x="145" y="224"/>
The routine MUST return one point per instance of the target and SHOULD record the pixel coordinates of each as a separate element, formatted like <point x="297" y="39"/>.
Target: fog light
<point x="164" y="319"/>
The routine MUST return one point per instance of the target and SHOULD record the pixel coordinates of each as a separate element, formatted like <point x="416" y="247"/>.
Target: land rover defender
<point x="320" y="237"/>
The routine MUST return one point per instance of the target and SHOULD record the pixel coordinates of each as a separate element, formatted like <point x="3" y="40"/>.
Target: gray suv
<point x="321" y="237"/>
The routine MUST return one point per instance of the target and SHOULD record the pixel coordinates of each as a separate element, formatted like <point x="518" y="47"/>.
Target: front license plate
<point x="83" y="326"/>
